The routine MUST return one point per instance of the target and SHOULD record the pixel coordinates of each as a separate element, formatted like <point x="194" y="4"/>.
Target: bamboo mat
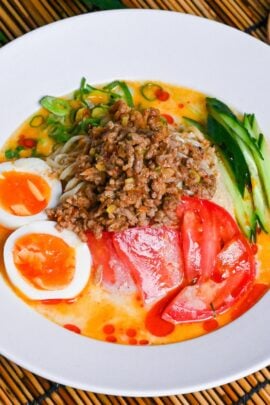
<point x="19" y="386"/>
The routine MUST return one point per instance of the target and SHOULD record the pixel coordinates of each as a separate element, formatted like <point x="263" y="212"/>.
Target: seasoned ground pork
<point x="134" y="170"/>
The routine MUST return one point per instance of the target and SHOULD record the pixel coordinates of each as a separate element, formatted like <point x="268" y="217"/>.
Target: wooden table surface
<point x="19" y="386"/>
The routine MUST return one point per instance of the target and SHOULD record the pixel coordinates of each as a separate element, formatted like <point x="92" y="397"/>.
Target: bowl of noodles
<point x="137" y="241"/>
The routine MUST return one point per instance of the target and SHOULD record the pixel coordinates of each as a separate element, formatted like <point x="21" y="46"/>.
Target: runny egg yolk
<point x="23" y="193"/>
<point x="44" y="260"/>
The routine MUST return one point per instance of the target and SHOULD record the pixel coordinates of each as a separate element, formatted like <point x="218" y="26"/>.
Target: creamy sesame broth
<point x="141" y="261"/>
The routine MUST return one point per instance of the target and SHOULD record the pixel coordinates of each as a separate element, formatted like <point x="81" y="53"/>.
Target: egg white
<point x="34" y="166"/>
<point x="83" y="262"/>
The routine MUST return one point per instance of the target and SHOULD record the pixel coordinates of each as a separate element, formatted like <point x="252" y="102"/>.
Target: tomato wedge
<point x="191" y="238"/>
<point x="198" y="224"/>
<point x="227" y="266"/>
<point x="154" y="257"/>
<point x="110" y="271"/>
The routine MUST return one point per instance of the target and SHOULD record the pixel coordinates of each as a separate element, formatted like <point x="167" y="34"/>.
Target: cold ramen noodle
<point x="136" y="213"/>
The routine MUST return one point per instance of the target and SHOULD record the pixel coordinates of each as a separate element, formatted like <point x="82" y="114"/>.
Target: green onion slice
<point x="55" y="105"/>
<point x="37" y="121"/>
<point x="149" y="90"/>
<point x="120" y="87"/>
<point x="99" y="112"/>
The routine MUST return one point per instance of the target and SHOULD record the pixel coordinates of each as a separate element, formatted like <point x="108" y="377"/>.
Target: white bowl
<point x="133" y="44"/>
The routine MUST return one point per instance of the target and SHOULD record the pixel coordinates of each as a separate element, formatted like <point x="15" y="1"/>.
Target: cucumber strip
<point x="229" y="120"/>
<point x="252" y="126"/>
<point x="243" y="207"/>
<point x="259" y="199"/>
<point x="219" y="106"/>
<point x="55" y="105"/>
<point x="221" y="136"/>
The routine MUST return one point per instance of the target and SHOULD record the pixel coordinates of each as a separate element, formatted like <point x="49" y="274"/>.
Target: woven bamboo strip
<point x="268" y="29"/>
<point x="74" y="395"/>
<point x="164" y="401"/>
<point x="113" y="399"/>
<point x="14" y="29"/>
<point x="191" y="400"/>
<point x="81" y="6"/>
<point x="230" y="394"/>
<point x="213" y="394"/>
<point x="15" y="15"/>
<point x="6" y="31"/>
<point x="59" y="11"/>
<point x="262" y="393"/>
<point x="228" y="11"/>
<point x="129" y="401"/>
<point x="50" y="10"/>
<point x="205" y="10"/>
<point x="24" y="14"/>
<point x="265" y="396"/>
<point x="260" y="377"/>
<point x="247" y="387"/>
<point x="7" y="393"/>
<point x="181" y="398"/>
<point x="208" y="398"/>
<point x="95" y="400"/>
<point x="133" y="4"/>
<point x="252" y="9"/>
<point x="14" y="382"/>
<point x="4" y="399"/>
<point x="187" y="6"/>
<point x="33" y="10"/>
<point x="158" y="401"/>
<point x="242" y="15"/>
<point x="198" y="7"/>
<point x="67" y="9"/>
<point x="73" y="7"/>
<point x="57" y="400"/>
<point x="64" y="395"/>
<point x="84" y="397"/>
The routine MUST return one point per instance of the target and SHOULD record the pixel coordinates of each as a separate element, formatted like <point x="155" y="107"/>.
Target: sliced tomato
<point x="198" y="226"/>
<point x="227" y="265"/>
<point x="235" y="256"/>
<point x="193" y="303"/>
<point x="154" y="257"/>
<point x="226" y="225"/>
<point x="191" y="240"/>
<point x="110" y="270"/>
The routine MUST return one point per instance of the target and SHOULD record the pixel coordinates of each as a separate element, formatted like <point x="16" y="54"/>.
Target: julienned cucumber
<point x="252" y="127"/>
<point x="243" y="207"/>
<point x="232" y="123"/>
<point x="255" y="151"/>
<point x="221" y="137"/>
<point x="260" y="203"/>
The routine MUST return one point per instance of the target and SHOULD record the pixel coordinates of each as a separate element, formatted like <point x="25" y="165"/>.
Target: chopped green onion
<point x="55" y="105"/>
<point x="149" y="90"/>
<point x="124" y="91"/>
<point x="94" y="122"/>
<point x="13" y="153"/>
<point x="99" y="112"/>
<point x="37" y="121"/>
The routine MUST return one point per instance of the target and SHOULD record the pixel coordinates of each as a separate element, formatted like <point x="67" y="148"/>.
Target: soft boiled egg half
<point x="27" y="188"/>
<point x="44" y="263"/>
